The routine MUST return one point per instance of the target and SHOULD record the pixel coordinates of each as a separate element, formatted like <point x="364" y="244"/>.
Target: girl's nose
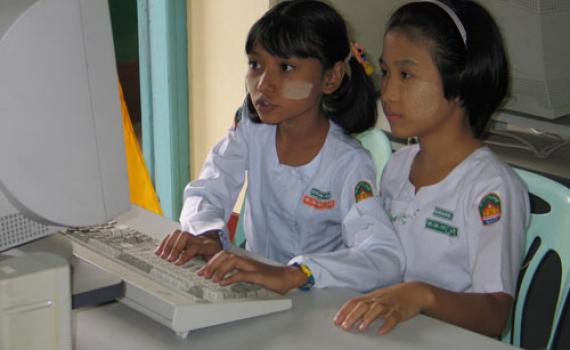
<point x="266" y="81"/>
<point x="388" y="90"/>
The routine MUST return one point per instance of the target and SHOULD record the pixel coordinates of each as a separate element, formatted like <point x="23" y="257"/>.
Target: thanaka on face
<point x="411" y="87"/>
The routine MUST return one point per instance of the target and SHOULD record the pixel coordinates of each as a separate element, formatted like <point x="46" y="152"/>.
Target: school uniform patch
<point x="237" y="118"/>
<point x="315" y="192"/>
<point x="490" y="209"/>
<point x="443" y="213"/>
<point x="441" y="227"/>
<point x="362" y="190"/>
<point x="320" y="200"/>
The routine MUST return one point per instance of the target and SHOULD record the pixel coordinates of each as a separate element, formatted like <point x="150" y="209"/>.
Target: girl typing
<point x="306" y="95"/>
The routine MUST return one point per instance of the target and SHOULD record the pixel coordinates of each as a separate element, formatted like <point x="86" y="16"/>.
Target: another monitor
<point x="539" y="53"/>
<point x="62" y="155"/>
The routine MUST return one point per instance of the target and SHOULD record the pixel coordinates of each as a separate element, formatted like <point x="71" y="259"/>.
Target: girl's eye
<point x="253" y="64"/>
<point x="285" y="67"/>
<point x="405" y="75"/>
<point x="383" y="72"/>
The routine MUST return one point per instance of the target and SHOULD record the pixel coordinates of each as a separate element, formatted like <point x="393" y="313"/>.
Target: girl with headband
<point x="459" y="212"/>
<point x="305" y="95"/>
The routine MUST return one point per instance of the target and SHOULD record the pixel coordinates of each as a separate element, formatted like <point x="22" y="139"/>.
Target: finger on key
<point x="169" y="243"/>
<point x="228" y="265"/>
<point x="178" y="246"/>
<point x="160" y="248"/>
<point x="242" y="270"/>
<point x="208" y="270"/>
<point x="194" y="247"/>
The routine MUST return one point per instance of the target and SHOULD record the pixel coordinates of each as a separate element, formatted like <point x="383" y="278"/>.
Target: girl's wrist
<point x="426" y="296"/>
<point x="295" y="277"/>
<point x="215" y="236"/>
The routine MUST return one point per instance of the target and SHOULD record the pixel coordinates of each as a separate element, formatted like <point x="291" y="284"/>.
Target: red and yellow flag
<point x="140" y="185"/>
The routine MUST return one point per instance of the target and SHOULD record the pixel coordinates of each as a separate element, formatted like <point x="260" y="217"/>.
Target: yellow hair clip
<point x="360" y="56"/>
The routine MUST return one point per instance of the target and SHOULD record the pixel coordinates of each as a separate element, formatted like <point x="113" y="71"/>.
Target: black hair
<point x="312" y="29"/>
<point x="476" y="71"/>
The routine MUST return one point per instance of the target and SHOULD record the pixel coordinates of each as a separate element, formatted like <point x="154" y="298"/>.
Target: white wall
<point x="366" y="21"/>
<point x="217" y="66"/>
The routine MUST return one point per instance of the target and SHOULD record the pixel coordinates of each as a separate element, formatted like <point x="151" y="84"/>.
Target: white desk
<point x="308" y="325"/>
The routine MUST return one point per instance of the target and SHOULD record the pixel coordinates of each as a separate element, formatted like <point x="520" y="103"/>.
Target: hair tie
<point x="453" y="17"/>
<point x="357" y="52"/>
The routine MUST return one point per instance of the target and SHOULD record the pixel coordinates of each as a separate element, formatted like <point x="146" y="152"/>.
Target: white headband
<point x="453" y="16"/>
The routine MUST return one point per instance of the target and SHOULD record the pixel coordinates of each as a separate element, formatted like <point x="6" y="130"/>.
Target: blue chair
<point x="239" y="236"/>
<point x="379" y="146"/>
<point x="374" y="140"/>
<point x="540" y="318"/>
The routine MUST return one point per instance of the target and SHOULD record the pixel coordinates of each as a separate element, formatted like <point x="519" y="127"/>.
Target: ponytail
<point x="353" y="105"/>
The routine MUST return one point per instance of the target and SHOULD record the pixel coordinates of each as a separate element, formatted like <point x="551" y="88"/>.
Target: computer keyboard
<point x="172" y="295"/>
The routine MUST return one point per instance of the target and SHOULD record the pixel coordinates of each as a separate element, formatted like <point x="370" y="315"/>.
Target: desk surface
<point x="308" y="325"/>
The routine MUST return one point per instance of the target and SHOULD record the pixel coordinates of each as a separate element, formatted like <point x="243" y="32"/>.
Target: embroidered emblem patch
<point x="319" y="200"/>
<point x="320" y="194"/>
<point x="237" y="118"/>
<point x="441" y="227"/>
<point x="400" y="219"/>
<point x="490" y="209"/>
<point x="362" y="191"/>
<point x="443" y="213"/>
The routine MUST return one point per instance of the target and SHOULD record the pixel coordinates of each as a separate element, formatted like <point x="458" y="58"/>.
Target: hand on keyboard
<point x="174" y="295"/>
<point x="180" y="246"/>
<point x="135" y="249"/>
<point x="226" y="268"/>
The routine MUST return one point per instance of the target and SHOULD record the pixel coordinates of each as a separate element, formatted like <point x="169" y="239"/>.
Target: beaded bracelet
<point x="310" y="278"/>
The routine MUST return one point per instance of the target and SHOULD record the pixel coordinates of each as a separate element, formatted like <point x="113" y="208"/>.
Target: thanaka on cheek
<point x="296" y="90"/>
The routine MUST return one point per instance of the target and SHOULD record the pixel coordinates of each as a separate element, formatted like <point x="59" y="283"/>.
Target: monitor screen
<point x="62" y="157"/>
<point x="534" y="32"/>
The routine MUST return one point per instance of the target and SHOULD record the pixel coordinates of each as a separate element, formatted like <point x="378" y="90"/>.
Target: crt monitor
<point x="539" y="53"/>
<point x="62" y="156"/>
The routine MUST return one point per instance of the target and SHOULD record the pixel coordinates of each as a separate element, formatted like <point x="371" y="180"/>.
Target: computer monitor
<point x="539" y="53"/>
<point x="62" y="155"/>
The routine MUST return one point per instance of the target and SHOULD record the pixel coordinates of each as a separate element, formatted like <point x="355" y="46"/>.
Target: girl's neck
<point x="452" y="150"/>
<point x="299" y="143"/>
<point x="440" y="154"/>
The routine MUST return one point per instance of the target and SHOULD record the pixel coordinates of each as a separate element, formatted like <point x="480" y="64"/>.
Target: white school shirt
<point x="295" y="210"/>
<point x="465" y="233"/>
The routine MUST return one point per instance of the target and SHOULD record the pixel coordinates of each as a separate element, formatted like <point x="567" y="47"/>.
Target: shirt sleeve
<point x="497" y="217"/>
<point x="373" y="257"/>
<point x="210" y="199"/>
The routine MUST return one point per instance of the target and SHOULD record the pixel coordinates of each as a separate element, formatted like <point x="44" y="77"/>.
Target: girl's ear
<point x="458" y="100"/>
<point x="333" y="77"/>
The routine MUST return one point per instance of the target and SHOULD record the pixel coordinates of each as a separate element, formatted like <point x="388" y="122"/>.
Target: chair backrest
<point x="239" y="236"/>
<point x="379" y="146"/>
<point x="540" y="312"/>
<point x="374" y="140"/>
